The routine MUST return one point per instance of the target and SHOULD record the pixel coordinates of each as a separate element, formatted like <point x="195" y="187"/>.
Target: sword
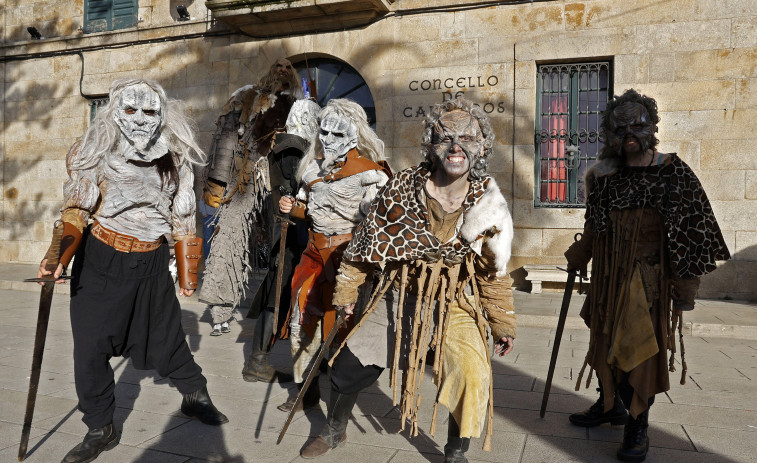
<point x="558" y="336"/>
<point x="284" y="219"/>
<point x="45" y="301"/>
<point x="313" y="372"/>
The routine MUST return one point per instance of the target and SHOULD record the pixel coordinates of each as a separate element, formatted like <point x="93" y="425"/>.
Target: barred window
<point x="569" y="102"/>
<point x="95" y="104"/>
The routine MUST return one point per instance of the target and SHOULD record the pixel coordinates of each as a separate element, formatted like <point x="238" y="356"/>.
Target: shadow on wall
<point x="735" y="279"/>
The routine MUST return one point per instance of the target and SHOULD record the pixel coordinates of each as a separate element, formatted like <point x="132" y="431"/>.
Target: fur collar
<point x="491" y="217"/>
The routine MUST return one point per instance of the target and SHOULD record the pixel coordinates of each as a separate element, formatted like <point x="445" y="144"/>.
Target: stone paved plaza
<point x="711" y="418"/>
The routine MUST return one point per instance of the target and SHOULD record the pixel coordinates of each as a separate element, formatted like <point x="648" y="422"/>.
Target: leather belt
<point x="124" y="243"/>
<point x="321" y="241"/>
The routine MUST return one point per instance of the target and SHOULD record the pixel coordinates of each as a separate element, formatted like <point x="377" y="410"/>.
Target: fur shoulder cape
<point x="395" y="228"/>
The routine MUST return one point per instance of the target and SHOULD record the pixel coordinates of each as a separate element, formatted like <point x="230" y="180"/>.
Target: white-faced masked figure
<point x="338" y="136"/>
<point x="139" y="116"/>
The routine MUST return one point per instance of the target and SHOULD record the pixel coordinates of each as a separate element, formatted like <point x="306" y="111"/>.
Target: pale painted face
<point x="456" y="142"/>
<point x="338" y="136"/>
<point x="138" y="115"/>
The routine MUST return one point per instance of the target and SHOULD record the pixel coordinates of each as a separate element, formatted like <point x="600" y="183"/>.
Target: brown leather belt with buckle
<point x="123" y="243"/>
<point x="321" y="241"/>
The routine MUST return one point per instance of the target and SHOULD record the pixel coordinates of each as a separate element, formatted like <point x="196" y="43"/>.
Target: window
<point x="94" y="106"/>
<point x="337" y="79"/>
<point x="569" y="102"/>
<point x="108" y="15"/>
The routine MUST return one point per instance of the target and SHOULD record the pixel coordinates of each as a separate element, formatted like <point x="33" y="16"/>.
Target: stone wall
<point x="698" y="59"/>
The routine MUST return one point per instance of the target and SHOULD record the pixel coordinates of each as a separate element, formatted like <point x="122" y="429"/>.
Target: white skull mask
<point x="338" y="136"/>
<point x="303" y="119"/>
<point x="138" y="115"/>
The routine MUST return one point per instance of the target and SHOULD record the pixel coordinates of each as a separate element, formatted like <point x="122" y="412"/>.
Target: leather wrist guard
<point x="188" y="252"/>
<point x="69" y="243"/>
<point x="298" y="210"/>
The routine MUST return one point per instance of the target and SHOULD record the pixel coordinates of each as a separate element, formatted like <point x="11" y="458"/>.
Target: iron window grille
<point x="95" y="104"/>
<point x="569" y="101"/>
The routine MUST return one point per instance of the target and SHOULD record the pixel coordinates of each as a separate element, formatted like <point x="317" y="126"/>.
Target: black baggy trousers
<point x="125" y="304"/>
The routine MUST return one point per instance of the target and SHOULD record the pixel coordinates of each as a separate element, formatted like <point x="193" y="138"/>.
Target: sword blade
<point x="45" y="301"/>
<point x="312" y="374"/>
<point x="558" y="337"/>
<point x="279" y="276"/>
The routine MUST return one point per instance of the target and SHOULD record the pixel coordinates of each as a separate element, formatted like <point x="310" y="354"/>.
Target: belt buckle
<point x="126" y="243"/>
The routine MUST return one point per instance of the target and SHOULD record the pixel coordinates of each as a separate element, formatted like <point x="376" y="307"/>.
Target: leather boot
<point x="635" y="441"/>
<point x="456" y="446"/>
<point x="595" y="415"/>
<point x="199" y="405"/>
<point x="334" y="433"/>
<point x="257" y="368"/>
<point x="95" y="442"/>
<point x="311" y="399"/>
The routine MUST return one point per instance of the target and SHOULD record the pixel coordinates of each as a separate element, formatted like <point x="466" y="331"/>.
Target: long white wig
<point x="103" y="134"/>
<point x="369" y="145"/>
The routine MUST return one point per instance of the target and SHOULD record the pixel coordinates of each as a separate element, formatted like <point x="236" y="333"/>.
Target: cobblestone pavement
<point x="711" y="418"/>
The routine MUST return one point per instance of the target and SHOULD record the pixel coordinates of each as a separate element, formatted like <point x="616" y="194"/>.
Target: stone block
<point x="496" y="49"/>
<point x="691" y="96"/>
<point x="746" y="246"/>
<point x="241" y="47"/>
<point x="526" y="215"/>
<point x="532" y="19"/>
<point x="688" y="151"/>
<point x="717" y="154"/>
<point x="524" y="172"/>
<point x="727" y="63"/>
<point x="573" y="44"/>
<point x="525" y="75"/>
<point x="527" y="241"/>
<point x="744" y="32"/>
<point x="746" y="93"/>
<point x="557" y="240"/>
<point x="402" y="158"/>
<point x="452" y="25"/>
<point x="684" y="36"/>
<point x="707" y="125"/>
<point x="29" y="70"/>
<point x="416" y="28"/>
<point x="630" y="70"/>
<point x="735" y="215"/>
<point x="434" y="53"/>
<point x="662" y="67"/>
<point x="751" y="184"/>
<point x="724" y="185"/>
<point x="725" y="9"/>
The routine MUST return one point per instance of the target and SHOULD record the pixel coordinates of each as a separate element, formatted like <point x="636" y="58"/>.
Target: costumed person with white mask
<point x="236" y="183"/>
<point x="132" y="174"/>
<point x="288" y="149"/>
<point x="441" y="234"/>
<point x="650" y="233"/>
<point x="340" y="176"/>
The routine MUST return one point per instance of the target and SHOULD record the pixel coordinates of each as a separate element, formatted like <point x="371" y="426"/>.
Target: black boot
<point x="635" y="440"/>
<point x="199" y="405"/>
<point x="311" y="399"/>
<point x="95" y="442"/>
<point x="257" y="368"/>
<point x="334" y="433"/>
<point x="596" y="415"/>
<point x="456" y="446"/>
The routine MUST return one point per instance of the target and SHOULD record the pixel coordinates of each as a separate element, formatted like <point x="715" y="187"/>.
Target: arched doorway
<point x="336" y="79"/>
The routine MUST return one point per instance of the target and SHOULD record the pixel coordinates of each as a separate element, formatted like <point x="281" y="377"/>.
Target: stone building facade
<point x="697" y="58"/>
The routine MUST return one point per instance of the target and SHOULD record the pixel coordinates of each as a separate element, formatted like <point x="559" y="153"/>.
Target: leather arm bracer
<point x="69" y="243"/>
<point x="298" y="210"/>
<point x="188" y="253"/>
